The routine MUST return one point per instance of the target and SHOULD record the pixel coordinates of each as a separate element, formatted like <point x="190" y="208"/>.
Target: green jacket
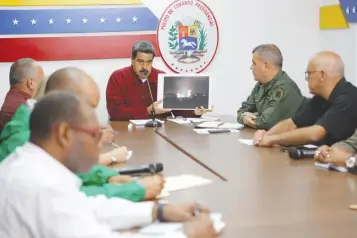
<point x="16" y="133"/>
<point x="273" y="102"/>
<point x="350" y="144"/>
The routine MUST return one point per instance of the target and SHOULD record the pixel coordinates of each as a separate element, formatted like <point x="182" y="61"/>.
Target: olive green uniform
<point x="272" y="102"/>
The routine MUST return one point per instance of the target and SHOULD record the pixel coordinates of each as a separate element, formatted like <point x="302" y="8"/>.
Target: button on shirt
<point x="337" y="115"/>
<point x="39" y="197"/>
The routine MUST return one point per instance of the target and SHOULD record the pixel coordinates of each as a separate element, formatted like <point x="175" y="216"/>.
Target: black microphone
<point x="153" y="123"/>
<point x="145" y="169"/>
<point x="302" y="153"/>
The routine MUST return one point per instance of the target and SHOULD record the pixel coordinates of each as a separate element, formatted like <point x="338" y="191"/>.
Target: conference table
<point x="261" y="192"/>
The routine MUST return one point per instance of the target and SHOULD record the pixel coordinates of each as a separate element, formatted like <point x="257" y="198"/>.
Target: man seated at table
<point x="128" y="95"/>
<point x="275" y="97"/>
<point x="100" y="180"/>
<point x="343" y="153"/>
<point x="330" y="116"/>
<point x="26" y="76"/>
<point x="40" y="194"/>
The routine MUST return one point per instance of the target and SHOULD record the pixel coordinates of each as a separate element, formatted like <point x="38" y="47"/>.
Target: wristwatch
<point x="351" y="162"/>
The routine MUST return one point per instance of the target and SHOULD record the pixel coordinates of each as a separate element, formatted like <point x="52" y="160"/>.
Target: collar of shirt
<point x="20" y="93"/>
<point x="337" y="89"/>
<point x="52" y="165"/>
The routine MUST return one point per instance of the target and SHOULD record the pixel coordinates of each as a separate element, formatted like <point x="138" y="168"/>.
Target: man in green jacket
<point x="275" y="97"/>
<point x="100" y="180"/>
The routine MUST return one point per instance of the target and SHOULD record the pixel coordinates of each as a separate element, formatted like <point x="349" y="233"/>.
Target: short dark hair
<point x="20" y="69"/>
<point x="56" y="107"/>
<point x="271" y="53"/>
<point x="143" y="47"/>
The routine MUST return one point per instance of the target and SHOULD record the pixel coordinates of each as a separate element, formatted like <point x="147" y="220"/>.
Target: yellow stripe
<point x="66" y="2"/>
<point x="331" y="17"/>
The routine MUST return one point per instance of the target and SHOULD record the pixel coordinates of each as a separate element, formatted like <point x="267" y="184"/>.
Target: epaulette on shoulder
<point x="30" y="104"/>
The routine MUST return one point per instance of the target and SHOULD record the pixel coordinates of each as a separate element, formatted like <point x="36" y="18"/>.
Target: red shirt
<point x="14" y="98"/>
<point x="128" y="97"/>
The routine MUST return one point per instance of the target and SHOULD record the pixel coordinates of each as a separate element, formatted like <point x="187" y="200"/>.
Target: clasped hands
<point x="198" y="111"/>
<point x="334" y="155"/>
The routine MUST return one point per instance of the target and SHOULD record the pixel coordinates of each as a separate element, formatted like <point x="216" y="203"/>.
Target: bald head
<point x="328" y="62"/>
<point x="75" y="80"/>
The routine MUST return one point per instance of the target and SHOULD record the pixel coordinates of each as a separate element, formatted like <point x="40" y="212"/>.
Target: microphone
<point x="145" y="169"/>
<point x="302" y="153"/>
<point x="153" y="123"/>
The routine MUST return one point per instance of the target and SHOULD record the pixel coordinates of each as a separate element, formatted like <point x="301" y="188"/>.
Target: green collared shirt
<point x="272" y="102"/>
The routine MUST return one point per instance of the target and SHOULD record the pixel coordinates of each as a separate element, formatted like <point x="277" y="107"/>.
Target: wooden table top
<point x="265" y="194"/>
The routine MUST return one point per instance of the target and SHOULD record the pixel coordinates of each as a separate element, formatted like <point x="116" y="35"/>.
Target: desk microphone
<point x="302" y="153"/>
<point x="145" y="169"/>
<point x="153" y="123"/>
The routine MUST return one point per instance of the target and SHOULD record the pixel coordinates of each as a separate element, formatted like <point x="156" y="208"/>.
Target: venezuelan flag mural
<point x="338" y="16"/>
<point x="52" y="30"/>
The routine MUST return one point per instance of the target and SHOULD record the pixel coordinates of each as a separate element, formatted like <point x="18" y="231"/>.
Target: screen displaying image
<point x="184" y="92"/>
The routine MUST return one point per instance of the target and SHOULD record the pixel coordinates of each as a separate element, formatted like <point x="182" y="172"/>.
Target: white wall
<point x="291" y="24"/>
<point x="342" y="41"/>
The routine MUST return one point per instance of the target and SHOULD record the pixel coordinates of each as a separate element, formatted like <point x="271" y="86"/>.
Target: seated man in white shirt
<point x="39" y="192"/>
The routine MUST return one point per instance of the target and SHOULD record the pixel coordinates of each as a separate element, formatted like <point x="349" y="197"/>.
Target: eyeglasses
<point x="95" y="133"/>
<point x="308" y="73"/>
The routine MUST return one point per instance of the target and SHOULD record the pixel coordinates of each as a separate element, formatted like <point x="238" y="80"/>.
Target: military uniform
<point x="272" y="102"/>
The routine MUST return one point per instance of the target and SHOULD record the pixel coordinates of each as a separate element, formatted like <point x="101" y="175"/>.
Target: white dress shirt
<point x="40" y="197"/>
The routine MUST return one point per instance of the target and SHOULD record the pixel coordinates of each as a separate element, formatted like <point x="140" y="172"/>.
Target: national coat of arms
<point x="188" y="36"/>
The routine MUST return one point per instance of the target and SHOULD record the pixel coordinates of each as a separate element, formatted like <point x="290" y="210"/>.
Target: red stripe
<point x="70" y="48"/>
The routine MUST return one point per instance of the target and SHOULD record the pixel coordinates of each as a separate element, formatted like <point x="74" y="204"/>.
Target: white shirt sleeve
<point x="121" y="214"/>
<point x="62" y="215"/>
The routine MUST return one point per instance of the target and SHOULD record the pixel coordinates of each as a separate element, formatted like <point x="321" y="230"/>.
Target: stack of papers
<point x="185" y="181"/>
<point x="220" y="125"/>
<point x="191" y="120"/>
<point x="142" y="122"/>
<point x="170" y="228"/>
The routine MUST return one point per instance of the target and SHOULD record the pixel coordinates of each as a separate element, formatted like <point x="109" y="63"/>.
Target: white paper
<point x="189" y="120"/>
<point x="142" y="122"/>
<point x="172" y="227"/>
<point x="206" y="131"/>
<point x="310" y="146"/>
<point x="331" y="167"/>
<point x="246" y="141"/>
<point x="229" y="125"/>
<point x="184" y="181"/>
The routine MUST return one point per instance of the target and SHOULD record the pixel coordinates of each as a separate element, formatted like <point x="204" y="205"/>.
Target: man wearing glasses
<point x="330" y="116"/>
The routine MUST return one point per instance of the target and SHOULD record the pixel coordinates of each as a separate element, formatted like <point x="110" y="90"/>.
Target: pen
<point x="115" y="132"/>
<point x="172" y="115"/>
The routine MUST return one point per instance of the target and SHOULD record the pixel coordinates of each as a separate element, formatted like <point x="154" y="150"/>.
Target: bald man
<point x="330" y="116"/>
<point x="100" y="180"/>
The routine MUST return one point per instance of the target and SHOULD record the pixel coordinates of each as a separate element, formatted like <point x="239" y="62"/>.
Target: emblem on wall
<point x="187" y="36"/>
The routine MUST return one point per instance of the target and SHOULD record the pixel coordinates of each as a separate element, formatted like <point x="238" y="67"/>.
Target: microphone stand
<point x="153" y="123"/>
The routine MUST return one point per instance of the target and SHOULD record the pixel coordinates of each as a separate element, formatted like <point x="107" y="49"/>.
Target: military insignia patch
<point x="278" y="94"/>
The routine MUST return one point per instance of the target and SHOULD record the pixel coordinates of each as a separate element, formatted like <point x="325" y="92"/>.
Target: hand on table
<point x="258" y="136"/>
<point x="199" y="227"/>
<point x="153" y="186"/>
<point x="117" y="155"/>
<point x="335" y="155"/>
<point x="249" y="119"/>
<point x="120" y="179"/>
<point x="182" y="212"/>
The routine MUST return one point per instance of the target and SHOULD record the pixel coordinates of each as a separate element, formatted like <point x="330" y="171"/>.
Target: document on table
<point x="220" y="125"/>
<point x="129" y="154"/>
<point x="330" y="166"/>
<point x="191" y="120"/>
<point x="142" y="122"/>
<point x="173" y="227"/>
<point x="207" y="131"/>
<point x="185" y="181"/>
<point x="246" y="141"/>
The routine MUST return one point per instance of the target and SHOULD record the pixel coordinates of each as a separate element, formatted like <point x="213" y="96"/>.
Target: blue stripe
<point x="147" y="21"/>
<point x="349" y="8"/>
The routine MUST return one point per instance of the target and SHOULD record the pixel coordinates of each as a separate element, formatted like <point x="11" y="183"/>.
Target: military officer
<point x="275" y="97"/>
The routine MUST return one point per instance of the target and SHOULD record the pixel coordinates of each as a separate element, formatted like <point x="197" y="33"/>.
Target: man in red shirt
<point x="128" y="95"/>
<point x="26" y="76"/>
